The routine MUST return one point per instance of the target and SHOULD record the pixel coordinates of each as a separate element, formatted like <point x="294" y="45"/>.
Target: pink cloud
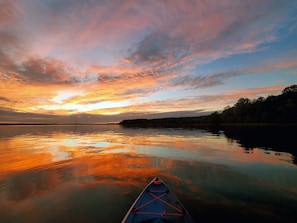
<point x="127" y="50"/>
<point x="204" y="102"/>
<point x="205" y="30"/>
<point x="172" y="33"/>
<point x="274" y="64"/>
<point x="253" y="93"/>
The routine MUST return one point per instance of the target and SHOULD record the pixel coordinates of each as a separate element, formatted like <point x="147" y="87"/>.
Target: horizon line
<point x="39" y="123"/>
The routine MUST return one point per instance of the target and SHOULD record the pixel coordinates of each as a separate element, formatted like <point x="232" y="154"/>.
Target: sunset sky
<point x="108" y="60"/>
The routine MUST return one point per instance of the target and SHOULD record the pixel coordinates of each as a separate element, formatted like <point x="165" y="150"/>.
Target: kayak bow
<point x="157" y="203"/>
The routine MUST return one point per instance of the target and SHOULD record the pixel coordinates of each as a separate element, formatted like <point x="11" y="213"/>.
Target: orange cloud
<point x="201" y="103"/>
<point x="121" y="53"/>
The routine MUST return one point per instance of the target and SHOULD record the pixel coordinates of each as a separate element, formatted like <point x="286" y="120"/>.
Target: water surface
<point x="94" y="173"/>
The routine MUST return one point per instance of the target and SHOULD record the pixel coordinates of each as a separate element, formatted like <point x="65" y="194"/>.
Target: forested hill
<point x="273" y="109"/>
<point x="281" y="109"/>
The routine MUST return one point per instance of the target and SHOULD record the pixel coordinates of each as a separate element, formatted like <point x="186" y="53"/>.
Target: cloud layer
<point x="113" y="57"/>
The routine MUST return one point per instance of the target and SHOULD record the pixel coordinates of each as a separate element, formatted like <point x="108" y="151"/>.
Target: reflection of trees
<point x="282" y="139"/>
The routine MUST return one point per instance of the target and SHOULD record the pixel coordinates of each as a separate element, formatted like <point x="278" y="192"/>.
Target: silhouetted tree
<point x="215" y="118"/>
<point x="292" y="88"/>
<point x="273" y="109"/>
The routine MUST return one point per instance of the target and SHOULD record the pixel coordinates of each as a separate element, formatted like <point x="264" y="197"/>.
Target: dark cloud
<point x="37" y="70"/>
<point x="126" y="77"/>
<point x="11" y="116"/>
<point x="59" y="7"/>
<point x="50" y="71"/>
<point x="14" y="47"/>
<point x="62" y="7"/>
<point x="5" y="99"/>
<point x="213" y="30"/>
<point x="192" y="82"/>
<point x="162" y="38"/>
<point x="157" y="48"/>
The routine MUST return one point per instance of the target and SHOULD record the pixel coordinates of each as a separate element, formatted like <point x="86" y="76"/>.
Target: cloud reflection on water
<point x="58" y="171"/>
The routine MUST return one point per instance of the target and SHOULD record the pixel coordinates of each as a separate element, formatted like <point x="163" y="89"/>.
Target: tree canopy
<point x="273" y="109"/>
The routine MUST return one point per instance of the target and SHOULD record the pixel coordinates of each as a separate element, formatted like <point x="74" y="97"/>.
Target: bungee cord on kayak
<point x="157" y="202"/>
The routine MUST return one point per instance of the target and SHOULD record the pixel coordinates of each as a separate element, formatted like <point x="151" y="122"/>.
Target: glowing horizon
<point x="137" y="59"/>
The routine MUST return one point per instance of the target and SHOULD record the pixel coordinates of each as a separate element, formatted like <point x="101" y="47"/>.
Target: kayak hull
<point x="157" y="203"/>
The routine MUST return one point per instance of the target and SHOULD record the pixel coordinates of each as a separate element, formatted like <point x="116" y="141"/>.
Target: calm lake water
<point x="94" y="173"/>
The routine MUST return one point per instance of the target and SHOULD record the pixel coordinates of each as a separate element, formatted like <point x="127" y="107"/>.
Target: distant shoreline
<point x="150" y="125"/>
<point x="72" y="124"/>
<point x="190" y="122"/>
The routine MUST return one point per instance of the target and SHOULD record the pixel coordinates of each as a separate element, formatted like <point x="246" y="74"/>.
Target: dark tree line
<point x="273" y="109"/>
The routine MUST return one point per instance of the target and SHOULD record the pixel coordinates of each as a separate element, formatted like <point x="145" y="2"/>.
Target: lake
<point x="93" y="173"/>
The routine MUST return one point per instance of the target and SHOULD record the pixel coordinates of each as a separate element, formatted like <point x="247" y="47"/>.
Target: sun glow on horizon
<point x="95" y="108"/>
<point x="174" y="58"/>
<point x="66" y="95"/>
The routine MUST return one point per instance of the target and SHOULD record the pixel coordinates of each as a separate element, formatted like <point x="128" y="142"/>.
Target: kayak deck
<point x="157" y="203"/>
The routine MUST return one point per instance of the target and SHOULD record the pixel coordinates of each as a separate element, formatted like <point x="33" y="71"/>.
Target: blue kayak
<point x="157" y="203"/>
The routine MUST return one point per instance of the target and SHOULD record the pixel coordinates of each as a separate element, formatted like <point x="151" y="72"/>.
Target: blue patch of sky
<point x="282" y="47"/>
<point x="269" y="53"/>
<point x="234" y="62"/>
<point x="281" y="50"/>
<point x="264" y="79"/>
